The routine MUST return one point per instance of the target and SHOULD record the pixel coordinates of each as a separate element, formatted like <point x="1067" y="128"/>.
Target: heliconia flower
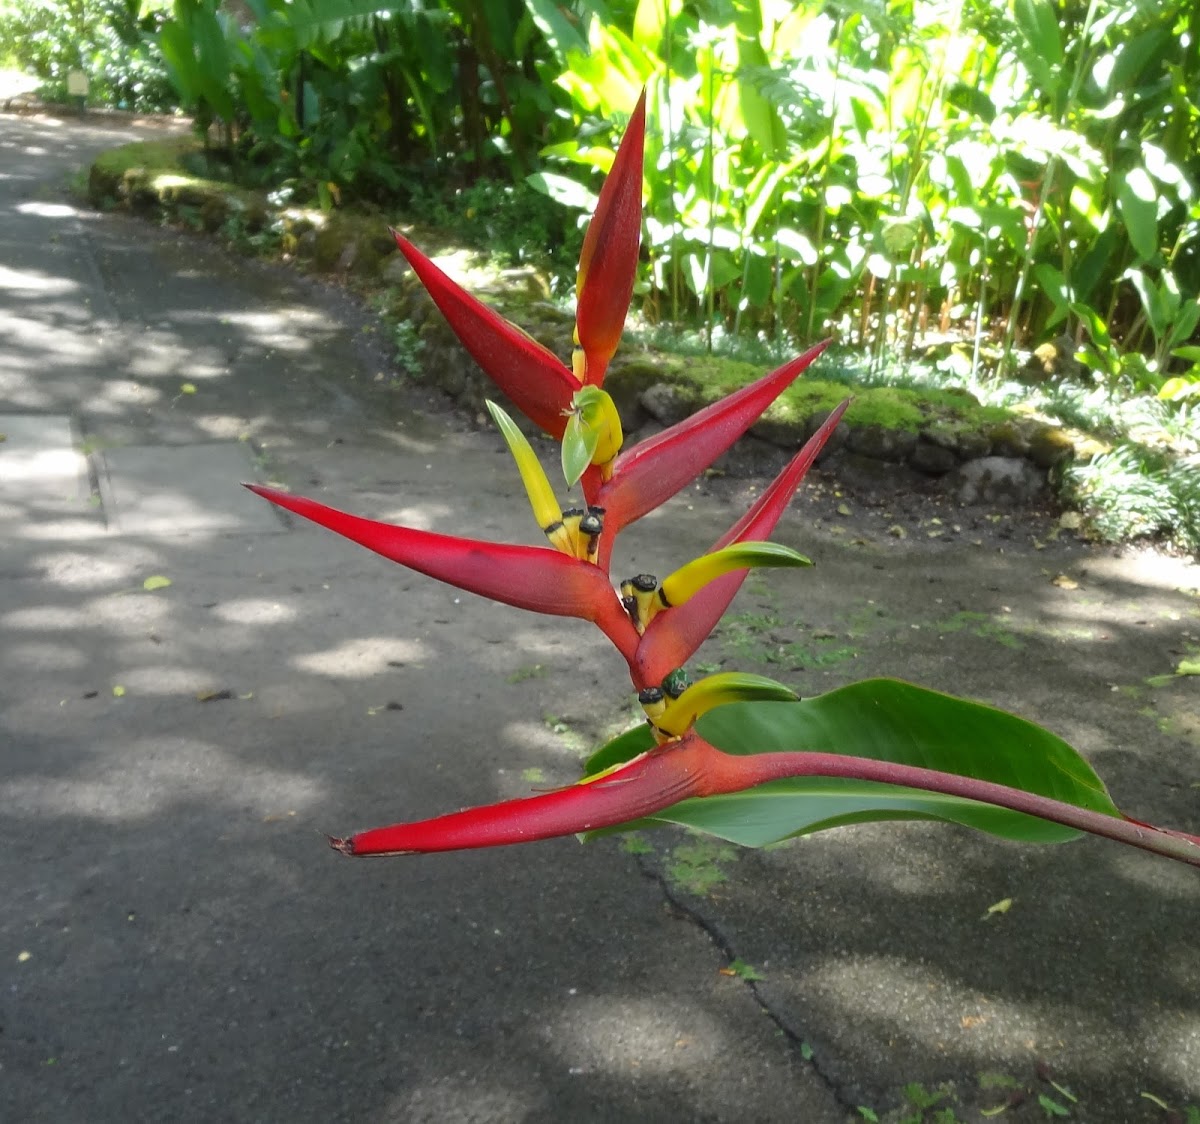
<point x="608" y="260"/>
<point x="539" y="384"/>
<point x="673" y="636"/>
<point x="656" y="469"/>
<point x="690" y="767"/>
<point x="644" y="598"/>
<point x="528" y="577"/>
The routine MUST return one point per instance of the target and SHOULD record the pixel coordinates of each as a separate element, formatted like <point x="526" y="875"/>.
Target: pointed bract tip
<point x="345" y="846"/>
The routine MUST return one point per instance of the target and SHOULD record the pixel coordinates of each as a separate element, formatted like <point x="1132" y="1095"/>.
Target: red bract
<point x="656" y="469"/>
<point x="539" y="385"/>
<point x="608" y="261"/>
<point x="673" y="636"/>
<point x="691" y="767"/>
<point x="528" y="577"/>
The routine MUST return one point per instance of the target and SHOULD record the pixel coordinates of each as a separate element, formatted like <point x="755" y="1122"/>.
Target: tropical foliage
<point x="111" y="41"/>
<point x="896" y="170"/>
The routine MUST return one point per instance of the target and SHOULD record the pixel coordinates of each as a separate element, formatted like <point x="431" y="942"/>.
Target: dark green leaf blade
<point x="888" y="720"/>
<point x="624" y="747"/>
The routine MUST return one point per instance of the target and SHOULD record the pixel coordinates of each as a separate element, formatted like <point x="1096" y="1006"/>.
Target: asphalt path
<point x="177" y="942"/>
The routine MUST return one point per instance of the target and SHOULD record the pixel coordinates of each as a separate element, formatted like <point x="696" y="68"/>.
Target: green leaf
<point x="887" y="720"/>
<point x="624" y="747"/>
<point x="556" y="25"/>
<point x="738" y="967"/>
<point x="563" y="189"/>
<point x="1051" y="1107"/>
<point x="1038" y="24"/>
<point x="156" y="581"/>
<point x="1137" y="201"/>
<point x="1183" y="325"/>
<point x="578" y="444"/>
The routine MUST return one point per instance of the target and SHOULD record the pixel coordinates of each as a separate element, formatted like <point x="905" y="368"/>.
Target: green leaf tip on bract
<point x="593" y="434"/>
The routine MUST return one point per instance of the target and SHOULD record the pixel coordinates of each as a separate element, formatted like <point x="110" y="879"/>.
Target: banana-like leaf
<point x="884" y="720"/>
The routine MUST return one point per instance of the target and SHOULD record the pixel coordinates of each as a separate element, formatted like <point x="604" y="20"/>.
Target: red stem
<point x="739" y="773"/>
<point x="691" y="767"/>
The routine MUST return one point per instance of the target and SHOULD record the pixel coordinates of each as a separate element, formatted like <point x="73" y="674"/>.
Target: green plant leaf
<point x="563" y="190"/>
<point x="1038" y="24"/>
<point x="578" y="444"/>
<point x="1137" y="201"/>
<point x="888" y="720"/>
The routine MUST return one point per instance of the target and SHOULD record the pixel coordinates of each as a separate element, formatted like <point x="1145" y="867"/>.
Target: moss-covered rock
<point x="108" y="170"/>
<point x="1049" y="445"/>
<point x="882" y="443"/>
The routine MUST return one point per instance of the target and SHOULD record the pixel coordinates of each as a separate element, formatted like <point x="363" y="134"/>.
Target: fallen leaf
<point x="118" y="691"/>
<point x="969" y="1021"/>
<point x="843" y="509"/>
<point x="155" y="581"/>
<point x="1064" y="582"/>
<point x="1071" y="520"/>
<point x="1188" y="667"/>
<point x="1002" y="906"/>
<point x="188" y="388"/>
<point x="23" y="956"/>
<point x="897" y="532"/>
<point x="214" y="696"/>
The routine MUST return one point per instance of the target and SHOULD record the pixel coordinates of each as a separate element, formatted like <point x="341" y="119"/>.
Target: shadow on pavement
<point x="179" y="943"/>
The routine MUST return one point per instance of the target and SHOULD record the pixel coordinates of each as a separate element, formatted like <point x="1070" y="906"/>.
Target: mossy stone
<point x="327" y="248"/>
<point x="935" y="460"/>
<point x="1049" y="445"/>
<point x="1008" y="440"/>
<point x="882" y="443"/>
<point x="886" y="407"/>
<point x="137" y="191"/>
<point x="214" y="213"/>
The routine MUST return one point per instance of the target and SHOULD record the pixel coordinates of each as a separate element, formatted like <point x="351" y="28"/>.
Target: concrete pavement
<point x="177" y="941"/>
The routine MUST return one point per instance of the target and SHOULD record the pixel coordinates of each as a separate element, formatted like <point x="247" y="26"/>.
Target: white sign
<point x="77" y="84"/>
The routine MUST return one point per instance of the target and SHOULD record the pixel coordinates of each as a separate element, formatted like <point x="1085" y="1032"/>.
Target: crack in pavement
<point x="800" y="1045"/>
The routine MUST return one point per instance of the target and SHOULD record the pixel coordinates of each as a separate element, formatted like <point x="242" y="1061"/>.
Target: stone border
<point x="976" y="454"/>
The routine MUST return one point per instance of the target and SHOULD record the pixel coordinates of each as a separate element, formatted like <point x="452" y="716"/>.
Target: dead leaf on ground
<point x="1064" y="581"/>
